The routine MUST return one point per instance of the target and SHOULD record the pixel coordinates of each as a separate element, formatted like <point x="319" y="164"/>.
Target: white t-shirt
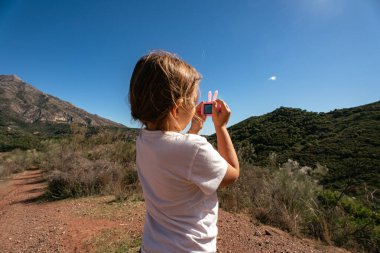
<point x="179" y="174"/>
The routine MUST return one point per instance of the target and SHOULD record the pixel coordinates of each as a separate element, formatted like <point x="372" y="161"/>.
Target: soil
<point x="30" y="223"/>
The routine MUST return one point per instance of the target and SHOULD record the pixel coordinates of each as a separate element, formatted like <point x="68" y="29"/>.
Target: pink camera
<point x="207" y="106"/>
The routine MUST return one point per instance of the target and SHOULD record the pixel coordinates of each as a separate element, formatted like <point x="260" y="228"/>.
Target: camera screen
<point x="207" y="109"/>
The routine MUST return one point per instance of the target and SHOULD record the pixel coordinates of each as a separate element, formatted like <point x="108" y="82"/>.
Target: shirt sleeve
<point x="209" y="168"/>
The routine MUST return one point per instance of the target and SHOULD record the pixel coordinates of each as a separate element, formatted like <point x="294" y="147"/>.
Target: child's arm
<point x="220" y="116"/>
<point x="197" y="121"/>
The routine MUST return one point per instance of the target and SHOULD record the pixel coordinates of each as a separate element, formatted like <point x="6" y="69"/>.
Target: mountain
<point x="347" y="141"/>
<point x="22" y="101"/>
<point x="28" y="116"/>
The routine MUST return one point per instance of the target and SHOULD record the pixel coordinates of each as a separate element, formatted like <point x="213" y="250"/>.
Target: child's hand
<point x="197" y="121"/>
<point x="220" y="113"/>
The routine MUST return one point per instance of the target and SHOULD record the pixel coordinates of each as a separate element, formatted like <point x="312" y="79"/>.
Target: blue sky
<point x="317" y="55"/>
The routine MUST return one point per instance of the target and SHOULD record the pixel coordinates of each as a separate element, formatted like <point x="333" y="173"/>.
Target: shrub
<point x="19" y="160"/>
<point x="273" y="196"/>
<point x="237" y="197"/>
<point x="79" y="167"/>
<point x="75" y="176"/>
<point x="281" y="198"/>
<point x="5" y="171"/>
<point x="345" y="221"/>
<point x="290" y="198"/>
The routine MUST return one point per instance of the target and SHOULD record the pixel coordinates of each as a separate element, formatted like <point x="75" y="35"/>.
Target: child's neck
<point x="154" y="127"/>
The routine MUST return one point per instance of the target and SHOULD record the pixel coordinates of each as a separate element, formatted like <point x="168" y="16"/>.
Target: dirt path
<point x="98" y="224"/>
<point x="25" y="226"/>
<point x="30" y="224"/>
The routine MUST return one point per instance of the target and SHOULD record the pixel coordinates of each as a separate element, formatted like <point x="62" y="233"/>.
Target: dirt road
<point x="98" y="224"/>
<point x="31" y="224"/>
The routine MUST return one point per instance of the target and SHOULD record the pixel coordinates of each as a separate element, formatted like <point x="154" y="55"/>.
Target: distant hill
<point x="22" y="101"/>
<point x="28" y="115"/>
<point x="346" y="140"/>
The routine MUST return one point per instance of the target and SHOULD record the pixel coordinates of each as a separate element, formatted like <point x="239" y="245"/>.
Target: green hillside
<point x="17" y="134"/>
<point x="347" y="141"/>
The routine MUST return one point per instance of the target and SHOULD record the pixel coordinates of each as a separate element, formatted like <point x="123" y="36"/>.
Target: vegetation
<point x="312" y="174"/>
<point x="347" y="141"/>
<point x="331" y="193"/>
<point x="289" y="197"/>
<point x="86" y="162"/>
<point x="91" y="162"/>
<point x="17" y="161"/>
<point x="16" y="134"/>
<point x="106" y="242"/>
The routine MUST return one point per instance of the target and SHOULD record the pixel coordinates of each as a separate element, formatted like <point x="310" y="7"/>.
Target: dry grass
<point x="115" y="241"/>
<point x="85" y="164"/>
<point x="17" y="161"/>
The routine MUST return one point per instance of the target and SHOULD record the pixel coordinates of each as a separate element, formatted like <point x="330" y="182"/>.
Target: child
<point x="179" y="173"/>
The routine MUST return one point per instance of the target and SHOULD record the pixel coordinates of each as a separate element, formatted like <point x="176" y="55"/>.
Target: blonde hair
<point x="158" y="81"/>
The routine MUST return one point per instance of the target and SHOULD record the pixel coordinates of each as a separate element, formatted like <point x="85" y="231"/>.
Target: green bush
<point x="346" y="221"/>
<point x="290" y="198"/>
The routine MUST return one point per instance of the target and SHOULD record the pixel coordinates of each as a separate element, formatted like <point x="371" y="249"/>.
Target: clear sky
<point x="317" y="55"/>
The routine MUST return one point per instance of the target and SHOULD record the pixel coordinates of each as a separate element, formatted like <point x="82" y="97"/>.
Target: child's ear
<point x="175" y="109"/>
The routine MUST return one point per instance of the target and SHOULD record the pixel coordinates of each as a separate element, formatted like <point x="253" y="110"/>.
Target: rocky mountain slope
<point x="22" y="101"/>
